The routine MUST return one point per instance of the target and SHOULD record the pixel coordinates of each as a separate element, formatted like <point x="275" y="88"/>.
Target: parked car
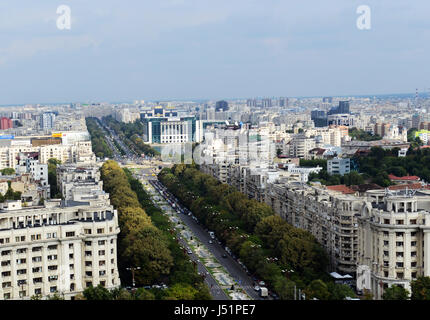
<point x="224" y="255"/>
<point x="210" y="242"/>
<point x="257" y="288"/>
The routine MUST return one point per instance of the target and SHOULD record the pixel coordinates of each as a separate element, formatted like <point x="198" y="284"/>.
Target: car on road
<point x="189" y="251"/>
<point x="210" y="242"/>
<point x="224" y="255"/>
<point x="257" y="288"/>
<point x="261" y="283"/>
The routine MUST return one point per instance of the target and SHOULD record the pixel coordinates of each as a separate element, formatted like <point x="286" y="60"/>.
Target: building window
<point x="70" y="245"/>
<point x="88" y="263"/>
<point x="5" y="263"/>
<point x="101" y="242"/>
<point x="71" y="256"/>
<point x="386" y="274"/>
<point x="101" y="252"/>
<point x="70" y="234"/>
<point x="413" y="243"/>
<point x="413" y="254"/>
<point x="53" y="289"/>
<point x="52" y="247"/>
<point x="35" y="249"/>
<point x="87" y="231"/>
<point x="413" y="264"/>
<point x="399" y="243"/>
<point x="37" y="269"/>
<point x="399" y="254"/>
<point x="399" y="221"/>
<point x="399" y="265"/>
<point x="102" y="230"/>
<point x="386" y="221"/>
<point x="399" y="234"/>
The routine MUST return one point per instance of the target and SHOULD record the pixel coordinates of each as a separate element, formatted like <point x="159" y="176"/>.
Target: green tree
<point x="182" y="292"/>
<point x="97" y="293"/>
<point x="285" y="288"/>
<point x="420" y="288"/>
<point x="317" y="289"/>
<point x="143" y="294"/>
<point x="340" y="291"/>
<point x="395" y="292"/>
<point x="7" y="171"/>
<point x="146" y="248"/>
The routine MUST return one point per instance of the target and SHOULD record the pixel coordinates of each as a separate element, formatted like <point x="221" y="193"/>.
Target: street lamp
<point x="132" y="269"/>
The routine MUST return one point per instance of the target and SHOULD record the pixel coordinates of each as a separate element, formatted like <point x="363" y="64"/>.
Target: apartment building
<point x="330" y="215"/>
<point x="300" y="145"/>
<point x="57" y="248"/>
<point x="78" y="151"/>
<point x="339" y="166"/>
<point x="394" y="239"/>
<point x="63" y="246"/>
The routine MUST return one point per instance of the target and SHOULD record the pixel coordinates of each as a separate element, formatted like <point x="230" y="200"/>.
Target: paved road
<point x="231" y="265"/>
<point x="216" y="292"/>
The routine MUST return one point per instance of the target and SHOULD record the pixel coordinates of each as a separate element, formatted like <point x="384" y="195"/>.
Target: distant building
<point x="221" y="106"/>
<point x="267" y="103"/>
<point x="339" y="166"/>
<point x="319" y="118"/>
<point x="343" y="108"/>
<point x="5" y="123"/>
<point x="47" y="120"/>
<point x="164" y="126"/>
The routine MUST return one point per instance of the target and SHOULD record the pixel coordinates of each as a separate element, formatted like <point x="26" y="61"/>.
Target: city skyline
<point x="174" y="50"/>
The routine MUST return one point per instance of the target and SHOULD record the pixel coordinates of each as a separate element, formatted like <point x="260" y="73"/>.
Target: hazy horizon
<point x="177" y="49"/>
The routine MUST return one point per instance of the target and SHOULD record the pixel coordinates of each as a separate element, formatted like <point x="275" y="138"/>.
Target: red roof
<point x="341" y="188"/>
<point x="404" y="186"/>
<point x="406" y="178"/>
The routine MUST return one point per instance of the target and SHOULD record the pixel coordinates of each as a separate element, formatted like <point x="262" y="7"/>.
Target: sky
<point x="210" y="49"/>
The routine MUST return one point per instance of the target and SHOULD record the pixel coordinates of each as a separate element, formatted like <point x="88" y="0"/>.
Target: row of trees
<point x="379" y="163"/>
<point x="420" y="291"/>
<point x="98" y="139"/>
<point x="376" y="166"/>
<point x="361" y="135"/>
<point x="141" y="243"/>
<point x="280" y="254"/>
<point x="130" y="133"/>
